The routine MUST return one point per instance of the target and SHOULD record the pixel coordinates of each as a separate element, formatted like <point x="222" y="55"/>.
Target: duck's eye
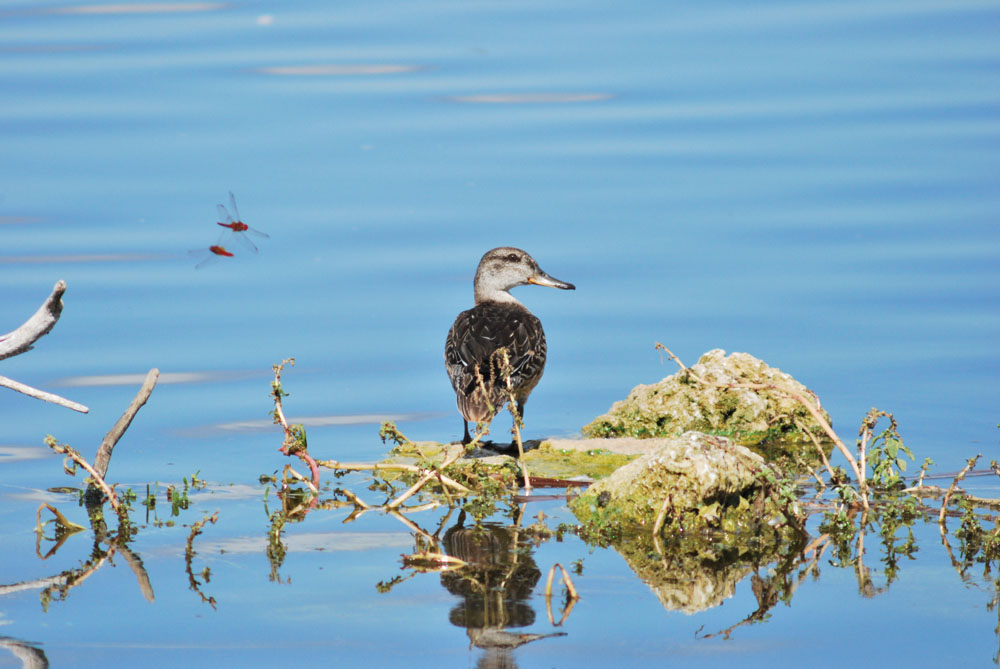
<point x="513" y="257"/>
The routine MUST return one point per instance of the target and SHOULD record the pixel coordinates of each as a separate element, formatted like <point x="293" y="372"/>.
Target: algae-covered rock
<point x="724" y="513"/>
<point x="680" y="403"/>
<point x="695" y="471"/>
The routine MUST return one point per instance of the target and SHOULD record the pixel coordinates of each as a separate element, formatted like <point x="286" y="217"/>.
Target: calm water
<point x="817" y="184"/>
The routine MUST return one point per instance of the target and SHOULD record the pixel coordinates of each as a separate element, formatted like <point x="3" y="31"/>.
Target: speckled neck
<point x="492" y="294"/>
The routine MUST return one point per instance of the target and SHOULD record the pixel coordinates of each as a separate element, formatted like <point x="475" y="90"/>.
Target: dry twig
<point x="80" y="460"/>
<point x="422" y="481"/>
<point x="507" y="372"/>
<point x="947" y="496"/>
<point x="42" y="395"/>
<point x="103" y="457"/>
<point x="391" y="466"/>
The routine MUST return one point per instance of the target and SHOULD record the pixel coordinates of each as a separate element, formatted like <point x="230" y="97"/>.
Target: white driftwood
<point x="24" y="337"/>
<point x="42" y="395"/>
<point x="36" y="327"/>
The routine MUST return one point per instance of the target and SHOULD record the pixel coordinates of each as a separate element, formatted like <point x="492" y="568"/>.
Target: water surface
<point x="812" y="183"/>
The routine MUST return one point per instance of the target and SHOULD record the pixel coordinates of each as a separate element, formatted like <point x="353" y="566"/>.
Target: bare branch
<point x="41" y="394"/>
<point x="390" y="466"/>
<point x="98" y="480"/>
<point x="24" y="337"/>
<point x="36" y="327"/>
<point x="432" y="473"/>
<point x="103" y="456"/>
<point x="947" y="496"/>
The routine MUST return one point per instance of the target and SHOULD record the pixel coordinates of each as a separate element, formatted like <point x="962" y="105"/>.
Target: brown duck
<point x="498" y="321"/>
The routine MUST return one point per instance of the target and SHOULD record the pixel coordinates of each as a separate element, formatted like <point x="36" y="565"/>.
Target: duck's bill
<point x="543" y="279"/>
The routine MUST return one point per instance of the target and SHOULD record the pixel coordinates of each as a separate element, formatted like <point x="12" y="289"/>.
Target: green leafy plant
<point x="885" y="452"/>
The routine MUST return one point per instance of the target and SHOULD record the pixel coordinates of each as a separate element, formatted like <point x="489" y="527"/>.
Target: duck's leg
<point x="466" y="439"/>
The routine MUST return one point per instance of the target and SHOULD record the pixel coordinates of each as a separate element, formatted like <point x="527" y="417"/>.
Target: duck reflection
<point x="494" y="589"/>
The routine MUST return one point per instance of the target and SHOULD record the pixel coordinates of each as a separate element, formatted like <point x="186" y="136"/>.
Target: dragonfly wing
<point x="232" y="203"/>
<point x="223" y="214"/>
<point x="205" y="256"/>
<point x="244" y="241"/>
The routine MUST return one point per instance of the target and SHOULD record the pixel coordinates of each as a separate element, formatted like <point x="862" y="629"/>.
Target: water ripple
<point x="338" y="70"/>
<point x="531" y="98"/>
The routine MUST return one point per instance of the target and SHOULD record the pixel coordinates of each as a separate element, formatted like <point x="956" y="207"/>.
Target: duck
<point x="498" y="322"/>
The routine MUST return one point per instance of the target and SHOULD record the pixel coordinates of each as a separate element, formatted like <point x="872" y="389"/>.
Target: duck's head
<point x="504" y="268"/>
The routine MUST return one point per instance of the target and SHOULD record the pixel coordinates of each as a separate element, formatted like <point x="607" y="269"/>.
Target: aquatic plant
<point x="97" y="492"/>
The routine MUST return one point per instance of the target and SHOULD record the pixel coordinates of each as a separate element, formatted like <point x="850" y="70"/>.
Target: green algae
<point x="695" y="482"/>
<point x="565" y="463"/>
<point x="547" y="460"/>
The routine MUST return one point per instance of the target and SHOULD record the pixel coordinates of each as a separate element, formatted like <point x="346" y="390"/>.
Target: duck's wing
<point x="475" y="340"/>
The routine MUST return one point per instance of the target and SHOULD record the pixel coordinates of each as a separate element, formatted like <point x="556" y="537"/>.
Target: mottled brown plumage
<point x="498" y="324"/>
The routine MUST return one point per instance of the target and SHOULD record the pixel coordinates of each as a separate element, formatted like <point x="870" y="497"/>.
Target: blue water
<point x="817" y="184"/>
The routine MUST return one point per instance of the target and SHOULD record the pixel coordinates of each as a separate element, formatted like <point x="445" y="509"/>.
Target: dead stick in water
<point x="43" y="395"/>
<point x="389" y="466"/>
<point x="79" y="459"/>
<point x="424" y="479"/>
<point x="103" y="457"/>
<point x="40" y="324"/>
<point x="947" y="496"/>
<point x="24" y="337"/>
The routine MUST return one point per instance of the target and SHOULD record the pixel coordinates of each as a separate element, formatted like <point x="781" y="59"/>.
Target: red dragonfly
<point x="237" y="226"/>
<point x="211" y="254"/>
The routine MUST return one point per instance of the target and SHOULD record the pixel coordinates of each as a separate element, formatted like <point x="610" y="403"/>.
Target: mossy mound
<point x="680" y="403"/>
<point x="725" y="511"/>
<point x="694" y="472"/>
